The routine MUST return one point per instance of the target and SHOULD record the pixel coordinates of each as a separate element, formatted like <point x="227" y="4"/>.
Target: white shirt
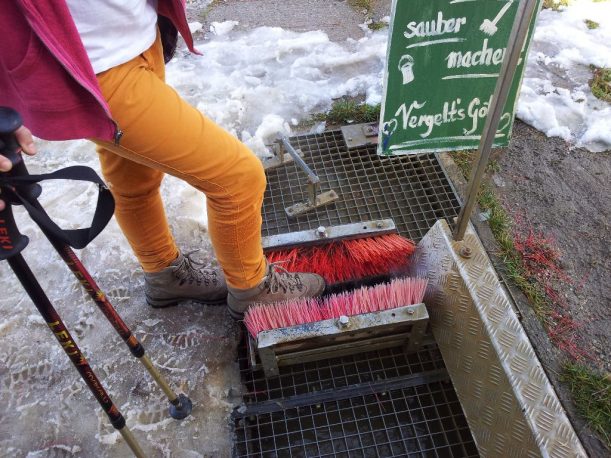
<point x="114" y="31"/>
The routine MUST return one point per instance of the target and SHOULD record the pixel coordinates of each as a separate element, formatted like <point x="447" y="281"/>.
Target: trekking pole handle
<point x="12" y="241"/>
<point x="10" y="121"/>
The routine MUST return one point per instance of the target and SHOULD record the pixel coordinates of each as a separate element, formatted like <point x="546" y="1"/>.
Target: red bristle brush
<point x="338" y="259"/>
<point x="398" y="293"/>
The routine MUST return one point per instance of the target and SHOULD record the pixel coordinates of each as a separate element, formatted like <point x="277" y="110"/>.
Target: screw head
<point x="321" y="231"/>
<point x="379" y="224"/>
<point x="343" y="321"/>
<point x="465" y="251"/>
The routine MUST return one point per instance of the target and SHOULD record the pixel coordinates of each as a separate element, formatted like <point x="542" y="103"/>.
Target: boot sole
<point x="237" y="316"/>
<point x="162" y="304"/>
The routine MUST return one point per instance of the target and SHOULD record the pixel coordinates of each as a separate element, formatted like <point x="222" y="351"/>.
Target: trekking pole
<point x="55" y="323"/>
<point x="180" y="405"/>
<point x="18" y="187"/>
<point x="11" y="244"/>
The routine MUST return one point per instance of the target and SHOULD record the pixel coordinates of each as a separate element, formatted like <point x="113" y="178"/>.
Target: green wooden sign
<point x="443" y="61"/>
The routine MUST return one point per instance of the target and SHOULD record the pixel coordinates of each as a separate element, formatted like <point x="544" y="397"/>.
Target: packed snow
<point x="555" y="96"/>
<point x="262" y="82"/>
<point x="256" y="84"/>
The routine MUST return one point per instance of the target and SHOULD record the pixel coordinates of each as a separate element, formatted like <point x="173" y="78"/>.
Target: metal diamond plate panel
<point x="509" y="403"/>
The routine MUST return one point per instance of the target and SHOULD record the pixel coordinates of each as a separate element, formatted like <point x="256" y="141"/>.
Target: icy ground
<point x="256" y="84"/>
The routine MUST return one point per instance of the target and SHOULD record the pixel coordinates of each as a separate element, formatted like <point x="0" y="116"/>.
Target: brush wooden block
<point x="340" y="337"/>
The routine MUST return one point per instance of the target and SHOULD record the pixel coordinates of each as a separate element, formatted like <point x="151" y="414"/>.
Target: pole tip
<point x="182" y="409"/>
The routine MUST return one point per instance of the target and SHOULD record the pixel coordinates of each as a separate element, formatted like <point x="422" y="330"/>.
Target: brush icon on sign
<point x="488" y="26"/>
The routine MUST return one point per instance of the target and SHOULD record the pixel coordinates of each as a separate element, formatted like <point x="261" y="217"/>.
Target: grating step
<point x="342" y="393"/>
<point x="412" y="190"/>
<point x="380" y="403"/>
<point x="375" y="404"/>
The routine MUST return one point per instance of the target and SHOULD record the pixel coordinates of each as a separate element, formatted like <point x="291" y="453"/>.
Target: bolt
<point x="379" y="224"/>
<point x="465" y="252"/>
<point x="321" y="231"/>
<point x="410" y="312"/>
<point x="343" y="321"/>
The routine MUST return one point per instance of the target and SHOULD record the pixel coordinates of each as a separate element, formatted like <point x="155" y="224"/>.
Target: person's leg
<point x="162" y="132"/>
<point x="139" y="209"/>
<point x="169" y="276"/>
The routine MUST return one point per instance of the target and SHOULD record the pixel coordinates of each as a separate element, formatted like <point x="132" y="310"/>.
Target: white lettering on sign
<point x="411" y="117"/>
<point x="485" y="56"/>
<point x="449" y="113"/>
<point x="434" y="27"/>
<point x="476" y="111"/>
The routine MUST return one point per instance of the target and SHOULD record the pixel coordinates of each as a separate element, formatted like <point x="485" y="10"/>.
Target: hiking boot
<point x="278" y="285"/>
<point x="185" y="279"/>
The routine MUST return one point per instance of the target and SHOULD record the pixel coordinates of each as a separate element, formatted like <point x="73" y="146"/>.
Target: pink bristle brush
<point x="399" y="292"/>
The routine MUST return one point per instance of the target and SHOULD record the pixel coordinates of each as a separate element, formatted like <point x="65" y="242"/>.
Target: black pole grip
<point x="12" y="242"/>
<point x="18" y="187"/>
<point x="10" y="121"/>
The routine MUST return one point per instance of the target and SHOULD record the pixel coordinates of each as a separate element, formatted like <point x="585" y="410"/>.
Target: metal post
<point x="313" y="180"/>
<point x="516" y="42"/>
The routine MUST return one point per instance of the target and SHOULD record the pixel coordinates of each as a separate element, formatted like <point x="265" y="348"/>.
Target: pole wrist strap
<point x="76" y="238"/>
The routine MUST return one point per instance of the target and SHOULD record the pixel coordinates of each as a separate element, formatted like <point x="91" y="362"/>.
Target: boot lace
<point x="280" y="279"/>
<point x="191" y="271"/>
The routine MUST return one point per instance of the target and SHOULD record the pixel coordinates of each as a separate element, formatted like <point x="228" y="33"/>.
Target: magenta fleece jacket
<point x="45" y="73"/>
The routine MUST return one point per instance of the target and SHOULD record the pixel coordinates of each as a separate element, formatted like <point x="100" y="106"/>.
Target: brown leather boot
<point x="185" y="279"/>
<point x="277" y="285"/>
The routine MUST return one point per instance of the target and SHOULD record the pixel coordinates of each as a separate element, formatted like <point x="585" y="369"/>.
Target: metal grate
<point x="376" y="404"/>
<point x="423" y="422"/>
<point x="337" y="373"/>
<point x="381" y="403"/>
<point x="412" y="190"/>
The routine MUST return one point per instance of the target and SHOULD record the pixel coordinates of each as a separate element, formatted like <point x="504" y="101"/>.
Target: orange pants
<point x="164" y="134"/>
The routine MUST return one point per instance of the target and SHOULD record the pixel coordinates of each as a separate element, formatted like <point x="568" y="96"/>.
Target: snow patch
<point x="260" y="81"/>
<point x="555" y="97"/>
<point x="222" y="28"/>
<point x="195" y="26"/>
<point x="35" y="319"/>
<point x="151" y="322"/>
<point x="53" y="451"/>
